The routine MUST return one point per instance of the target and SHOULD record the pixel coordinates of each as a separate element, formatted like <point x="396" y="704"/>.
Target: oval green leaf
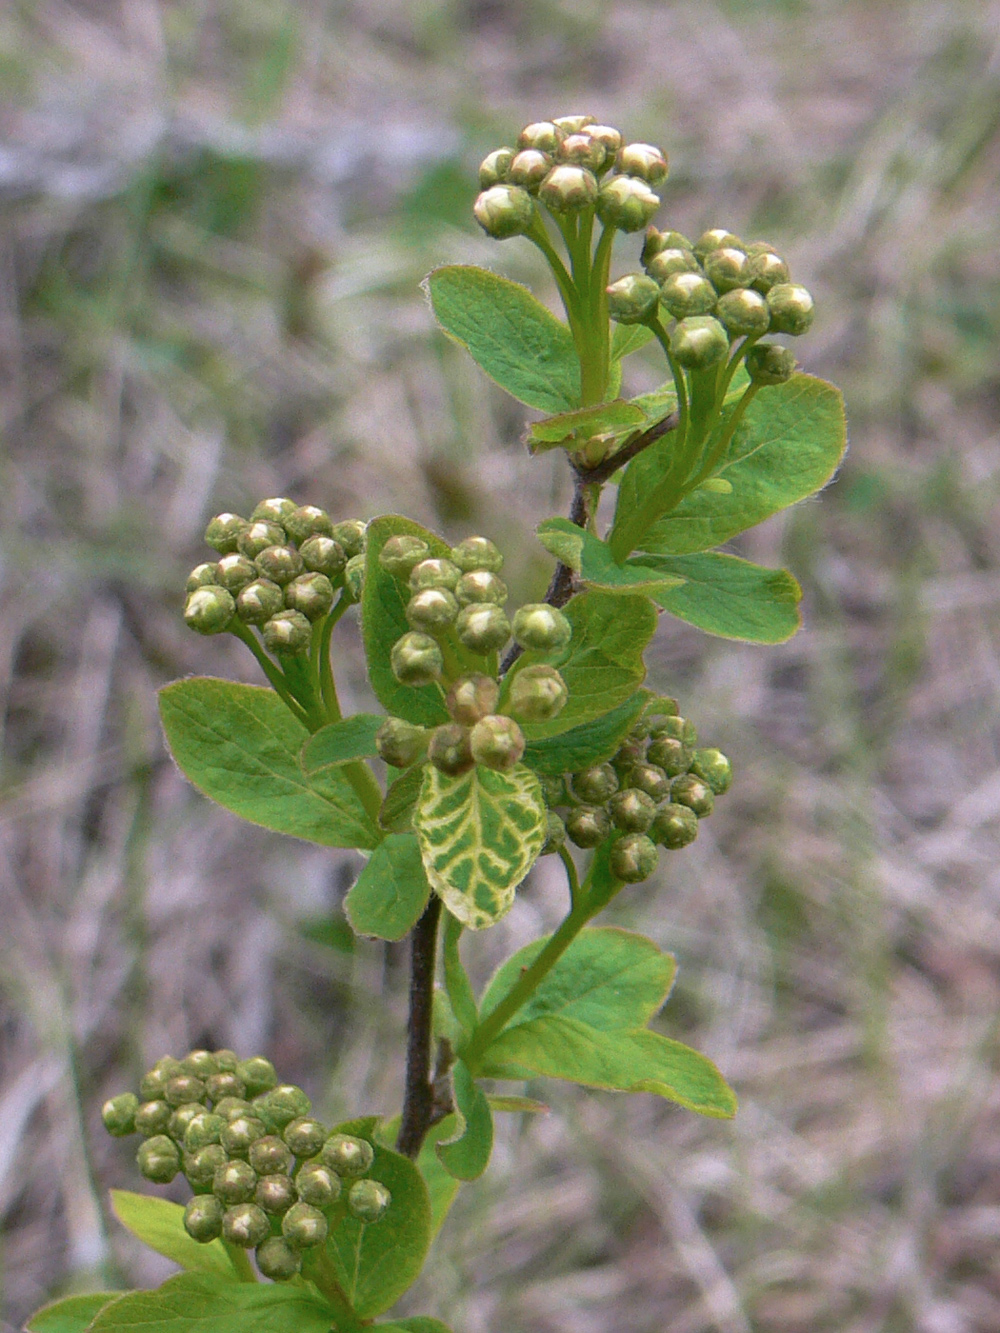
<point x="200" y="1303"/>
<point x="729" y="597"/>
<point x="467" y="1155"/>
<point x="73" y="1314"/>
<point x="159" y="1224"/>
<point x="341" y="742"/>
<point x="388" y="896"/>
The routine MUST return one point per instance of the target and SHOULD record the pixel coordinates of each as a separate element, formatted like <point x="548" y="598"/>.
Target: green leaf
<point x="392" y="890"/>
<point x="628" y="338"/>
<point x="442" y="1187"/>
<point x="467" y="1155"/>
<point x="73" y="1314"/>
<point x="418" y="1324"/>
<point x="591" y="558"/>
<point x="788" y="445"/>
<point x="557" y="1046"/>
<point x="572" y="430"/>
<point x="396" y="815"/>
<point x="160" y="1225"/>
<point x="517" y="1105"/>
<point x="239" y="745"/>
<point x="729" y="597"/>
<point x="480" y="834"/>
<point x="375" y="1263"/>
<point x="603" y="665"/>
<point x="509" y="334"/>
<point x="608" y="978"/>
<point x="592" y="743"/>
<point x="341" y="742"/>
<point x="200" y="1303"/>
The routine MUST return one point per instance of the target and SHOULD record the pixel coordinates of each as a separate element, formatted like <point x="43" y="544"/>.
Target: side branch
<point x="419" y="1107"/>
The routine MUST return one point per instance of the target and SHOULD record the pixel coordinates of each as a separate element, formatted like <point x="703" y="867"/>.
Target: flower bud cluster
<point x="266" y="1175"/>
<point x="652" y="793"/>
<point x="718" y="290"/>
<point x="459" y="602"/>
<point x="277" y="571"/>
<point x="569" y="164"/>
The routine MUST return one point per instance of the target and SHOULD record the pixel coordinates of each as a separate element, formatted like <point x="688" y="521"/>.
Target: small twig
<point x="419" y="1096"/>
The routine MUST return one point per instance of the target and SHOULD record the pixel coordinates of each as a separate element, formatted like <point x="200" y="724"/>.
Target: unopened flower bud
<point x="305" y="1136"/>
<point x="416" y="659"/>
<point x="259" y="536"/>
<point x="401" y="743"/>
<point x="280" y="564"/>
<point x="231" y="1108"/>
<point x="594" y="785"/>
<point x="245" y="1225"/>
<point x="312" y="594"/>
<point x="686" y="294"/>
<point x="156" y="1079"/>
<point x="318" y="1184"/>
<point x="643" y="160"/>
<point x="203" y="1218"/>
<point x="607" y="136"/>
<point x="631" y="810"/>
<point x="769" y="363"/>
<point x="541" y="134"/>
<point x="284" y="1103"/>
<point x="307" y="521"/>
<point x="400" y="554"/>
<point x="235" y="572"/>
<point x="234" y="1183"/>
<point x="633" y="858"/>
<point x="287" y="632"/>
<point x="537" y="694"/>
<point x="529" y="169"/>
<point x="202" y="1064"/>
<point x="568" y="189"/>
<point x="504" y="211"/>
<point x="713" y="767"/>
<point x="495" y="167"/>
<point x="367" y="1200"/>
<point x="184" y="1088"/>
<point x="200" y="1167"/>
<point x="482" y="627"/>
<point x="224" y="1084"/>
<point x="209" y="610"/>
<point x="152" y="1118"/>
<point x="766" y="271"/>
<point x="655" y="241"/>
<point x="432" y="610"/>
<point x="202" y="575"/>
<point x="204" y="1129"/>
<point x="278" y="1260"/>
<point x="694" y="793"/>
<point x="477" y="553"/>
<point x="118" y="1114"/>
<point x="434" y="573"/>
<point x="450" y="750"/>
<point x="304" y="1226"/>
<point x="726" y="268"/>
<point x="588" y="825"/>
<point x="680" y="728"/>
<point x="665" y="263"/>
<point x="347" y="1155"/>
<point x="555" y="834"/>
<point x="627" y="203"/>
<point x="671" y="754"/>
<point x="270" y="1156"/>
<point x="792" y="308"/>
<point x="275" y="510"/>
<point x="497" y="742"/>
<point x="716" y="238"/>
<point x="471" y="698"/>
<point x="352" y="534"/>
<point x="583" y="150"/>
<point x="159" y="1159"/>
<point x="553" y="789"/>
<point x="238" y="1136"/>
<point x="181" y="1117"/>
<point x="651" y="779"/>
<point x="698" y="342"/>
<point x="743" y="312"/>
<point x="541" y="627"/>
<point x="572" y="124"/>
<point x="479" y="585"/>
<point x="258" y="1075"/>
<point x="323" y="555"/>
<point x="633" y="299"/>
<point x="354" y="577"/>
<point x="223" y="532"/>
<point x="275" y="1194"/>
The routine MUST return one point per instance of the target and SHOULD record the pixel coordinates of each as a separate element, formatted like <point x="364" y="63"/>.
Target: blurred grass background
<point x="215" y="217"/>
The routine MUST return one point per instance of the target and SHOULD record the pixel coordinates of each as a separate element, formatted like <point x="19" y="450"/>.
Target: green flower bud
<point x="537" y="694"/>
<point x="594" y="785"/>
<point x="202" y="1064"/>
<point x="766" y="270"/>
<point x="572" y="124"/>
<point x="181" y="1117"/>
<point x="308" y="521"/>
<point x="680" y="728"/>
<point x="643" y="160"/>
<point x="685" y="294"/>
<point x="541" y="627"/>
<point x="280" y="564"/>
<point x="367" y="1200"/>
<point x="651" y="779"/>
<point x="495" y="167"/>
<point x="698" y="341"/>
<point x="627" y="203"/>
<point x="270" y="1156"/>
<point x="479" y="585"/>
<point x="631" y="810"/>
<point x="450" y="749"/>
<point x="275" y="1193"/>
<point x="754" y="248"/>
<point x="352" y="534"/>
<point x="305" y="1136"/>
<point x="354" y="577"/>
<point x="257" y="1075"/>
<point x="159" y="1159"/>
<point x="118" y="1114"/>
<point x="224" y="1085"/>
<point x="200" y="1167"/>
<point x="655" y="241"/>
<point x="234" y="1183"/>
<point x="726" y="268"/>
<point x="156" y="1079"/>
<point x="203" y="1130"/>
<point x="286" y="1102"/>
<point x="434" y="573"/>
<point x="223" y="532"/>
<point x="633" y="858"/>
<point x="482" y="627"/>
<point x="401" y="743"/>
<point x="347" y="1155"/>
<point x="152" y="1117"/>
<point x="277" y="1260"/>
<point x="318" y="1184"/>
<point x="209" y="610"/>
<point x="713" y="767"/>
<point x="416" y="660"/>
<point x="323" y="555"/>
<point x="668" y="262"/>
<point x="670" y="754"/>
<point x="497" y="742"/>
<point x="201" y="576"/>
<point x="553" y="789"/>
<point x="504" y="211"/>
<point x="529" y="169"/>
<point x="607" y="136"/>
<point x="588" y="825"/>
<point x="245" y="1225"/>
<point x="568" y="189"/>
<point x="312" y="594"/>
<point x="792" y="308"/>
<point x="231" y="1108"/>
<point x="258" y="537"/>
<point x="275" y="510"/>
<point x="287" y="632"/>
<point x="477" y="553"/>
<point x="770" y="363"/>
<point x="583" y="150"/>
<point x="633" y="299"/>
<point x="238" y="1136"/>
<point x="630" y="753"/>
<point x="235" y="572"/>
<point x="471" y="698"/>
<point x="555" y="834"/>
<point x="203" y="1218"/>
<point x="694" y="793"/>
<point x="541" y="134"/>
<point x="304" y="1226"/>
<point x="743" y="312"/>
<point x="183" y="1088"/>
<point x="401" y="554"/>
<point x="259" y="601"/>
<point x="716" y="238"/>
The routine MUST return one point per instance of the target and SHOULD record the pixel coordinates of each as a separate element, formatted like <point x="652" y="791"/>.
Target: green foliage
<point x="468" y="1155"/>
<point x="159" y="1224"/>
<point x="205" y="1303"/>
<point x="592" y="559"/>
<point x="388" y="896"/>
<point x="588" y="744"/>
<point x="573" y="430"/>
<point x="732" y="598"/>
<point x="341" y="742"/>
<point x="73" y="1314"/>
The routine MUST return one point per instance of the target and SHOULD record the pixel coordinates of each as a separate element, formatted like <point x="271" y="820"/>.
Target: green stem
<point x="456" y="979"/>
<point x="572" y="876"/>
<point x="327" y="685"/>
<point x="273" y="673"/>
<point x="540" y="238"/>
<point x="240" y="1260"/>
<point x="725" y="437"/>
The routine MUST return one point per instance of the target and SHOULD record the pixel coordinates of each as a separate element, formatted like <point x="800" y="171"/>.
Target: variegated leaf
<point x="479" y="835"/>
